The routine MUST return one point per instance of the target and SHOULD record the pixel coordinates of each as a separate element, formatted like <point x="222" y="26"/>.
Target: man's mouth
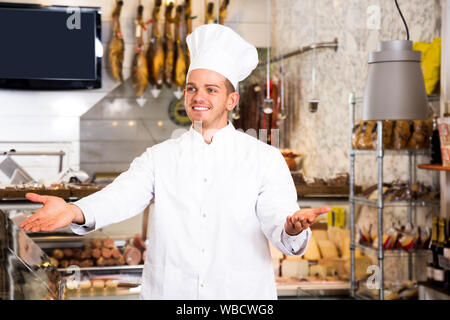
<point x="200" y="108"/>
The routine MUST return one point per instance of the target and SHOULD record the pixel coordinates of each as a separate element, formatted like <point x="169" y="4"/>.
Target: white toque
<point x="218" y="48"/>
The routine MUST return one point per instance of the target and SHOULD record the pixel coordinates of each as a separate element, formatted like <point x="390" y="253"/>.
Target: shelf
<point x="364" y="293"/>
<point x="430" y="98"/>
<point x="391" y="252"/>
<point x="67" y="193"/>
<point x="398" y="203"/>
<point x="405" y="152"/>
<point x="324" y="191"/>
<point x="138" y="267"/>
<point x="312" y="288"/>
<point x="429" y="166"/>
<point x="383" y="203"/>
<point x="442" y="291"/>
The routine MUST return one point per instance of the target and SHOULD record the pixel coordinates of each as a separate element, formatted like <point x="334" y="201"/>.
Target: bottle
<point x="435" y="144"/>
<point x="447" y="256"/>
<point x="432" y="251"/>
<point x="438" y="272"/>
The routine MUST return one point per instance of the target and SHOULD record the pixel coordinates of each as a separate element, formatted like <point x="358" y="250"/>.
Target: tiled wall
<point x="323" y="137"/>
<point x="104" y="129"/>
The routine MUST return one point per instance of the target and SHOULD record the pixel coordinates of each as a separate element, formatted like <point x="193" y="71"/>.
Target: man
<point x="219" y="194"/>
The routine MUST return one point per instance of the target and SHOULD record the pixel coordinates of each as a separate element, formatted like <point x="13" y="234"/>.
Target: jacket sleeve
<point x="128" y="195"/>
<point x="277" y="199"/>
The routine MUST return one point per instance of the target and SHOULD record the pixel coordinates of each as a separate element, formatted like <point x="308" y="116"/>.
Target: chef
<point x="219" y="194"/>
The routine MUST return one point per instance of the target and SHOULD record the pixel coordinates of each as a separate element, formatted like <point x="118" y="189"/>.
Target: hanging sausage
<point x="116" y="46"/>
<point x="139" y="76"/>
<point x="155" y="52"/>
<point x="169" y="46"/>
<point x="275" y="95"/>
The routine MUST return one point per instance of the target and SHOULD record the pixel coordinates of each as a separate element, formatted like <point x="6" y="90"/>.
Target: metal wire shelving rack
<point x="381" y="203"/>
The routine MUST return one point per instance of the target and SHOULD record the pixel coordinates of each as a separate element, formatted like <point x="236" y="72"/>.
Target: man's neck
<point x="208" y="132"/>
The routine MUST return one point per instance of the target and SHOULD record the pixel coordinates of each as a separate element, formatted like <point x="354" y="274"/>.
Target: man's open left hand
<point x="302" y="219"/>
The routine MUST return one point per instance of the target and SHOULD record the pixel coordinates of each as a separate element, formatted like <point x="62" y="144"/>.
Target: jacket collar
<point x="225" y="131"/>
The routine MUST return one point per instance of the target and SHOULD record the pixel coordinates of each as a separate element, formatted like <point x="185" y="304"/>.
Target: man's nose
<point x="199" y="96"/>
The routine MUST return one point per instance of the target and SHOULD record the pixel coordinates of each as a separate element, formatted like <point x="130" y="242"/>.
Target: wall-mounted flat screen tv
<point x="50" y="47"/>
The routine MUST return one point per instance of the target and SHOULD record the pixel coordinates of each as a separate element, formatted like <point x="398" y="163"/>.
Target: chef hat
<point x="218" y="48"/>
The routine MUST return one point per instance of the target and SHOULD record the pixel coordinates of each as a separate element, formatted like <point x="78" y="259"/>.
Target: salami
<point x="132" y="256"/>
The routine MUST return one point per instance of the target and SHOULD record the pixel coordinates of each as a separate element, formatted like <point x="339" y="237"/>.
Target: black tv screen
<point x="50" y="47"/>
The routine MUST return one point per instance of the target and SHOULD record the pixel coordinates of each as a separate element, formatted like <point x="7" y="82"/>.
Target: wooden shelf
<point x="429" y="166"/>
<point x="318" y="190"/>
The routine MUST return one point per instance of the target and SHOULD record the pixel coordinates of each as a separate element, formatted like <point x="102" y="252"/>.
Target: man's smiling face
<point x="207" y="98"/>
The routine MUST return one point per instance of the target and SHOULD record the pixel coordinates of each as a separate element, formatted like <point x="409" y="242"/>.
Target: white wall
<point x="50" y="121"/>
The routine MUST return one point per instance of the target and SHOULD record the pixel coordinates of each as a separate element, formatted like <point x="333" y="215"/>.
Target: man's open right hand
<point x="55" y="214"/>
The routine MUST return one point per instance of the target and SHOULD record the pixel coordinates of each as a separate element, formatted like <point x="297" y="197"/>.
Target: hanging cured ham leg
<point x="223" y="11"/>
<point x="188" y="16"/>
<point x="155" y="52"/>
<point x="116" y="46"/>
<point x="139" y="76"/>
<point x="169" y="46"/>
<point x="209" y="14"/>
<point x="180" y="62"/>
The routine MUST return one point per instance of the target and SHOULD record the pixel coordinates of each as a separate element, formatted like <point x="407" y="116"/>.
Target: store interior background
<point x="105" y="129"/>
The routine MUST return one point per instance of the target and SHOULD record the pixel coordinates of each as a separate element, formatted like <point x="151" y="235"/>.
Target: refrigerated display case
<point x="26" y="272"/>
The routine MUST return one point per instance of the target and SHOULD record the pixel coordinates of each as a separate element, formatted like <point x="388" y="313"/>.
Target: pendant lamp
<point x="395" y="87"/>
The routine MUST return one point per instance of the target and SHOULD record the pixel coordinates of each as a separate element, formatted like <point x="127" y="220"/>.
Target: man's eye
<point x="190" y="89"/>
<point x="211" y="90"/>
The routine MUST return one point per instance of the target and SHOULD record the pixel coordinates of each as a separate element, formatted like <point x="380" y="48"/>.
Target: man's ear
<point x="232" y="101"/>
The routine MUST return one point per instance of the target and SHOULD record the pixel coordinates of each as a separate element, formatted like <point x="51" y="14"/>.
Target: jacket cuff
<point x="296" y="244"/>
<point x="89" y="223"/>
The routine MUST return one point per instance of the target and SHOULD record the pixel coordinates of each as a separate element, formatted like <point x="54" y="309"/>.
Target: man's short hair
<point x="229" y="86"/>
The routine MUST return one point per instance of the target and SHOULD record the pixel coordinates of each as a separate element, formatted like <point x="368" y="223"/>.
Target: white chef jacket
<point x="215" y="206"/>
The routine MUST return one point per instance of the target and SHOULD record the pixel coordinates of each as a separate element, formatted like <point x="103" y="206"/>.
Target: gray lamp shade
<point x="395" y="88"/>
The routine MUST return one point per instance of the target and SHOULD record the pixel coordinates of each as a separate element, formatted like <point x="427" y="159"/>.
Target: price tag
<point x="447" y="253"/>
